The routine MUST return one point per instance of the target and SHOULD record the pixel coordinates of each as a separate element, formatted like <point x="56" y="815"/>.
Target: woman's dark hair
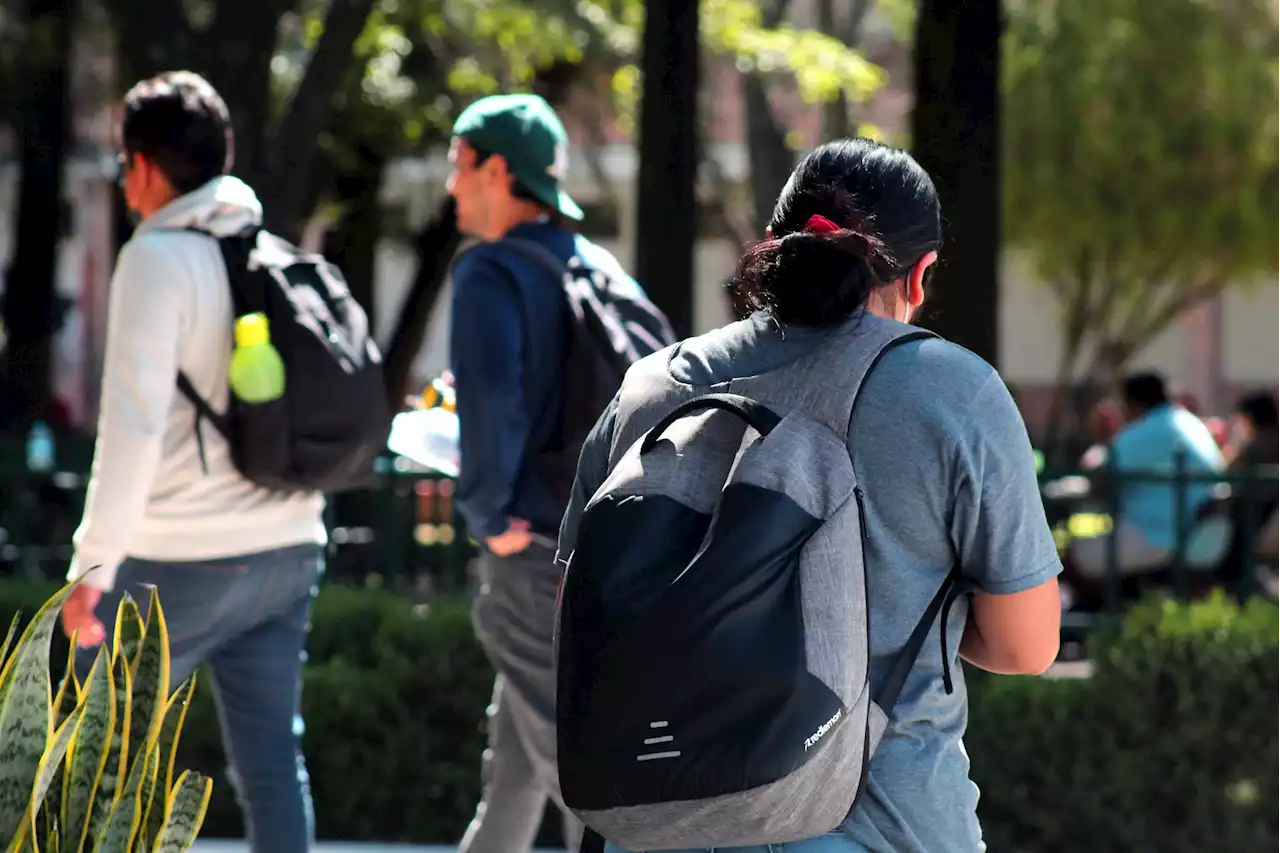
<point x="888" y="216"/>
<point x="179" y="122"/>
<point x="1260" y="409"/>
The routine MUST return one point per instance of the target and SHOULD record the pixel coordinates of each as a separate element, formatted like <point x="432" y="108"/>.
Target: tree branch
<point x="308" y="112"/>
<point x="1140" y="329"/>
<point x="436" y="245"/>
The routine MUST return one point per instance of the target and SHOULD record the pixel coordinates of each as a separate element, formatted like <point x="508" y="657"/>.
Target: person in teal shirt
<point x="1157" y="430"/>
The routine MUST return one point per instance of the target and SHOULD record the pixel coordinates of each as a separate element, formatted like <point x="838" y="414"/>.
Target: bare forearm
<point x="974" y="650"/>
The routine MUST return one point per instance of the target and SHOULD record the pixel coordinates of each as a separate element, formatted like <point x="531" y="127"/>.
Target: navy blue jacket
<point x="508" y="344"/>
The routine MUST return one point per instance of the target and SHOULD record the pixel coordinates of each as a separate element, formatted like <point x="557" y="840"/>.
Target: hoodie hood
<point x="224" y="206"/>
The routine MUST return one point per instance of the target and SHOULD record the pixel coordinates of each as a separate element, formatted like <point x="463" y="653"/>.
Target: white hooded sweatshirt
<point x="149" y="496"/>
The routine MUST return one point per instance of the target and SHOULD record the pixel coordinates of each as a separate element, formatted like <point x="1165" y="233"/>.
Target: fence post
<point x="1250" y="523"/>
<point x="1112" y="580"/>
<point x="388" y="534"/>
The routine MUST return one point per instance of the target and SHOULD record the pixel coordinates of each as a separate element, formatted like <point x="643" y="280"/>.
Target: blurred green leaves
<point x="419" y="61"/>
<point x="823" y="65"/>
<point x="1140" y="145"/>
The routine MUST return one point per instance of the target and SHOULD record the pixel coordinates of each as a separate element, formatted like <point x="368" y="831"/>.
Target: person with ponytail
<point x="939" y="449"/>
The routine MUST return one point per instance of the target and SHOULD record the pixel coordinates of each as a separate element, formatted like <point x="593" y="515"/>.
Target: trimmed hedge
<point x="1171" y="744"/>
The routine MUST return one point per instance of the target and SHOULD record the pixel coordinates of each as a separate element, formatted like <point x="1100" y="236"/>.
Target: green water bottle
<point x="257" y="373"/>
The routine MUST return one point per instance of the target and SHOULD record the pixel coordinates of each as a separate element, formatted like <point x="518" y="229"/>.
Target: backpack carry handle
<point x="759" y="416"/>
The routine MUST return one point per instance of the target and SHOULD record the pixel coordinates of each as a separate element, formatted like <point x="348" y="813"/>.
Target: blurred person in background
<point x="1104" y="421"/>
<point x="1218" y="427"/>
<point x="1255" y="433"/>
<point x="521" y="414"/>
<point x="1255" y="442"/>
<point x="1157" y="430"/>
<point x="236" y="565"/>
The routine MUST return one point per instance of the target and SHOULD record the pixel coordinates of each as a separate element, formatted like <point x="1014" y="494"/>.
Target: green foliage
<point x="1171" y="745"/>
<point x="423" y="59"/>
<point x="387" y="686"/>
<point x="1140" y="157"/>
<point x="81" y="770"/>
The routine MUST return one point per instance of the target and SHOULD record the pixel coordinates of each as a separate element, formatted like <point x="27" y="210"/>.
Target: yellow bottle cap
<point x="251" y="330"/>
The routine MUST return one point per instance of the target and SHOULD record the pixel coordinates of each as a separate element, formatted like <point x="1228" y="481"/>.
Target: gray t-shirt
<point x="943" y="457"/>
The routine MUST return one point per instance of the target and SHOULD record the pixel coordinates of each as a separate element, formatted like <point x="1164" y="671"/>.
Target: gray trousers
<point x="515" y="620"/>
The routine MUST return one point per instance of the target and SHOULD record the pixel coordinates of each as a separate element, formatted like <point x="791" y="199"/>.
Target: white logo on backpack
<point x="822" y="730"/>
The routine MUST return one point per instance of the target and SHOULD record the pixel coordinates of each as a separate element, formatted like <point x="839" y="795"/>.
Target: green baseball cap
<point x="529" y="136"/>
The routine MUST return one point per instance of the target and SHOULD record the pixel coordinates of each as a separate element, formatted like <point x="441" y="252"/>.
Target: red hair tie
<point x="819" y="224"/>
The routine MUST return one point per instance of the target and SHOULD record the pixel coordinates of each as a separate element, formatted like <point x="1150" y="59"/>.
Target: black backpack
<point x="613" y="325"/>
<point x="324" y="434"/>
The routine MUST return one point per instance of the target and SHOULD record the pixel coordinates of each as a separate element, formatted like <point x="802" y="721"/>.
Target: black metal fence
<point x="1241" y="505"/>
<point x="407" y="535"/>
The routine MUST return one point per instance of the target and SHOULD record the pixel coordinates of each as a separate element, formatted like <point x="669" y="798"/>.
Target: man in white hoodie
<point x="235" y="566"/>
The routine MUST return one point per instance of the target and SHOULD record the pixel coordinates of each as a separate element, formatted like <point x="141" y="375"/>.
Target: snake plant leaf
<point x="26" y="713"/>
<point x="8" y="638"/>
<point x="130" y="628"/>
<point x="150" y="782"/>
<point x="184" y="813"/>
<point x="66" y="700"/>
<point x="4" y="651"/>
<point x="66" y="706"/>
<point x="175" y="714"/>
<point x="149" y="675"/>
<point x="118" y="832"/>
<point x="111" y="780"/>
<point x="89" y="750"/>
<point x="50" y="762"/>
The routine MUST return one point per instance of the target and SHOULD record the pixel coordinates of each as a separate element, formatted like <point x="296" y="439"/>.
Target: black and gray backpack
<point x="324" y="434"/>
<point x="613" y="325"/>
<point x="712" y="638"/>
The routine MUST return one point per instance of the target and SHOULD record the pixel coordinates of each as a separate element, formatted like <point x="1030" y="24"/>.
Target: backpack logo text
<point x="822" y="730"/>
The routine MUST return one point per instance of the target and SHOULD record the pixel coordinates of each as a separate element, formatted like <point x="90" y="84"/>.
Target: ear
<point x="145" y="168"/>
<point x="915" y="279"/>
<point x="495" y="168"/>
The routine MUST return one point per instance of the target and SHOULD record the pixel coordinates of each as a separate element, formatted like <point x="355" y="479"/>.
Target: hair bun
<point x="808" y="278"/>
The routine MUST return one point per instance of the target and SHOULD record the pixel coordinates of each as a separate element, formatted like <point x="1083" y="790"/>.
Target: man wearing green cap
<point x="511" y="339"/>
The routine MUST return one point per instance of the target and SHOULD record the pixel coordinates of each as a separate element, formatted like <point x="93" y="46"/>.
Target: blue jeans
<point x="832" y="842"/>
<point x="247" y="618"/>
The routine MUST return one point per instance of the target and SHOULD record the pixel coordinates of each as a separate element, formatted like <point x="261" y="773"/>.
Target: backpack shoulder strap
<point x="538" y="254"/>
<point x="204" y="412"/>
<point x="953" y="587"/>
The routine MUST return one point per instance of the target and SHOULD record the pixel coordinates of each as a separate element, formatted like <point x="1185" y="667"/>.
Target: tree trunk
<point x="295" y="145"/>
<point x="767" y="152"/>
<point x="835" y="115"/>
<point x="234" y="52"/>
<point x="666" y="214"/>
<point x="436" y="245"/>
<point x="30" y="296"/>
<point x="353" y="243"/>
<point x="955" y="137"/>
<point x="770" y="159"/>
